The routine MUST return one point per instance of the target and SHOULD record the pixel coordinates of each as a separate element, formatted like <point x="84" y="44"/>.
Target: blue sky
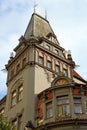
<point x="68" y="19"/>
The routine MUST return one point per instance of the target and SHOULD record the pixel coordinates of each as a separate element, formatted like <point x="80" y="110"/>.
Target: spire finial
<point x="35" y="5"/>
<point x="45" y="14"/>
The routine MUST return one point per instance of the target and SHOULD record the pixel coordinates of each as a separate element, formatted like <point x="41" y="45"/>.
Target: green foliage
<point x="4" y="124"/>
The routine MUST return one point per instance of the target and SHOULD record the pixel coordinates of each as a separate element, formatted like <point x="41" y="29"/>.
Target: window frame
<point x="48" y="47"/>
<point x="76" y="104"/>
<point x="64" y="105"/>
<point x="13" y="98"/>
<point x="20" y="93"/>
<point x="57" y="68"/>
<point x="49" y="64"/>
<point x="40" y="60"/>
<point x="49" y="110"/>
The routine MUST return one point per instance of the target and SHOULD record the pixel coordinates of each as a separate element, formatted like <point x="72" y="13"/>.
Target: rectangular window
<point x="20" y="93"/>
<point x="40" y="60"/>
<point x="65" y="72"/>
<point x="13" y="98"/>
<point x="63" y="106"/>
<point x="57" y="69"/>
<point x="77" y="105"/>
<point x="49" y="64"/>
<point x="49" y="112"/>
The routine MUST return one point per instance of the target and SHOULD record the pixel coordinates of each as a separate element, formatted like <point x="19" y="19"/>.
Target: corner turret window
<point x="13" y="98"/>
<point x="40" y="60"/>
<point x="65" y="72"/>
<point x="20" y="93"/>
<point x="49" y="64"/>
<point x="57" y="69"/>
<point x="63" y="107"/>
<point x="49" y="112"/>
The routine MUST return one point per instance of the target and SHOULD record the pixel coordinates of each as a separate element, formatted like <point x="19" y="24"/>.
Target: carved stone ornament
<point x="61" y="82"/>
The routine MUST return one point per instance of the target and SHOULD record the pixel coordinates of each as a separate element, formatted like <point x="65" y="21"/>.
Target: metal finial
<point x="45" y="14"/>
<point x="35" y="5"/>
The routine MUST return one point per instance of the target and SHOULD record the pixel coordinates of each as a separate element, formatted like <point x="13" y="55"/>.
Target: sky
<point x="68" y="19"/>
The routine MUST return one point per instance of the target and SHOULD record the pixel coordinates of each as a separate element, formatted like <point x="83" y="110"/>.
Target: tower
<point x="38" y="63"/>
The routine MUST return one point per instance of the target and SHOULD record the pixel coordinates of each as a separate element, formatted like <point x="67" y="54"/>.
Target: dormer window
<point x="56" y="51"/>
<point x="48" y="47"/>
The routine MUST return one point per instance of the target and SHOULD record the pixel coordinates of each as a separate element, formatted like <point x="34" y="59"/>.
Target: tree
<point x="4" y="124"/>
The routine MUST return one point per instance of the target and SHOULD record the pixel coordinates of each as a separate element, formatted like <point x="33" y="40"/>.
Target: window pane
<point x="77" y="105"/>
<point x="57" y="68"/>
<point x="49" y="110"/>
<point x="47" y="47"/>
<point x="13" y="99"/>
<point x="62" y="101"/>
<point x="40" y="60"/>
<point x="77" y="108"/>
<point x="20" y="93"/>
<point x="63" y="106"/>
<point x="57" y="52"/>
<point x="49" y="64"/>
<point x="65" y="72"/>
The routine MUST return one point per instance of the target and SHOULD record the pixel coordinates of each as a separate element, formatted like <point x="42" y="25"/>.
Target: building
<point x="44" y="91"/>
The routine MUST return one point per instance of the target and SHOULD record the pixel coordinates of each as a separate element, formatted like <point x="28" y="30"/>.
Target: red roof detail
<point x="77" y="75"/>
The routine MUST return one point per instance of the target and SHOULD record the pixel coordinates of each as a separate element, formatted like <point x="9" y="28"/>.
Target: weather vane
<point x="45" y="14"/>
<point x="35" y="5"/>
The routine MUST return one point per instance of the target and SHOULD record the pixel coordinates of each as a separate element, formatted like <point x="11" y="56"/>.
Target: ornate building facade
<point x="43" y="89"/>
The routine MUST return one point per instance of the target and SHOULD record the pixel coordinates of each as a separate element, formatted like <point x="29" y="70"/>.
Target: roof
<point x="75" y="74"/>
<point x="38" y="27"/>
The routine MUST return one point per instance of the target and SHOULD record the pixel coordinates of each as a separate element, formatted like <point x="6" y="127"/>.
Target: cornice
<point x="54" y="55"/>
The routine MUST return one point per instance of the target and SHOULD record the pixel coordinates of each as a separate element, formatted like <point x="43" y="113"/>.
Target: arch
<point x="61" y="80"/>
